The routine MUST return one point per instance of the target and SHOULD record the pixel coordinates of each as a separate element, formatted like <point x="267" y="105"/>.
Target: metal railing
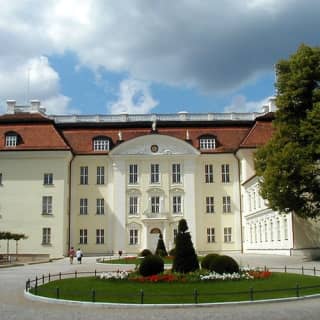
<point x="194" y="297"/>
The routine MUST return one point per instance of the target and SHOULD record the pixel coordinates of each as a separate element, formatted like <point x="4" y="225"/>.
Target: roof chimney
<point x="35" y="106"/>
<point x="11" y="104"/>
<point x="272" y="104"/>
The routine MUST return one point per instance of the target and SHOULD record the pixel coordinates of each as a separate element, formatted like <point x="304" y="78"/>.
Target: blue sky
<point x="99" y="57"/>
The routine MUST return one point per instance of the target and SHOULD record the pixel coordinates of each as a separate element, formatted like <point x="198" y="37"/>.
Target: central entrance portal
<point x="153" y="238"/>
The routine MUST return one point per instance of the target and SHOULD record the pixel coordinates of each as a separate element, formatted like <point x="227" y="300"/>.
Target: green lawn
<point x="123" y="291"/>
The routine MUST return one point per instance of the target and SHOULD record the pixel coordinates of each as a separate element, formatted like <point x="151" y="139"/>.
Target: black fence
<point x="194" y="297"/>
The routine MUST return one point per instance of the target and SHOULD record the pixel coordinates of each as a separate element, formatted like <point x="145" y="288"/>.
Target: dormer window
<point x="207" y="142"/>
<point x="101" y="144"/>
<point x="12" y="139"/>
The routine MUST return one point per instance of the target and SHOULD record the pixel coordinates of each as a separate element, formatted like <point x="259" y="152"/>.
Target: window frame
<point x="207" y="143"/>
<point x="100" y="175"/>
<point x="84" y="175"/>
<point x="101" y="144"/>
<point x="133" y="205"/>
<point x="133" y="237"/>
<point x="154" y="173"/>
<point x="48" y="179"/>
<point x="100" y="206"/>
<point x="46" y="236"/>
<point x="210" y="204"/>
<point x="155" y="204"/>
<point x="226" y="204"/>
<point x="227" y="234"/>
<point x="176" y="173"/>
<point x="83" y="236"/>
<point x="83" y="204"/>
<point x="208" y="171"/>
<point x="133" y="176"/>
<point x="211" y="235"/>
<point x="47" y="205"/>
<point x="99" y="236"/>
<point x="11" y="140"/>
<point x="225" y="173"/>
<point x="177" y="204"/>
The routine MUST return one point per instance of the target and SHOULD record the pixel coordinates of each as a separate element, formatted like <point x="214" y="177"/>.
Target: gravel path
<point x="14" y="306"/>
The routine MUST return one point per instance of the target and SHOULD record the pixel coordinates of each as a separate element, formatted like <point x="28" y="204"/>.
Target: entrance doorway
<point x="153" y="238"/>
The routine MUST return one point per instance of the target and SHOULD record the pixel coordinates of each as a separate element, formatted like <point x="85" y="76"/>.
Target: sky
<point x="148" y="56"/>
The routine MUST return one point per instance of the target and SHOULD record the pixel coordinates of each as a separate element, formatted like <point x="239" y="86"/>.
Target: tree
<point x="17" y="237"/>
<point x="4" y="235"/>
<point x="161" y="247"/>
<point x="289" y="163"/>
<point x="185" y="259"/>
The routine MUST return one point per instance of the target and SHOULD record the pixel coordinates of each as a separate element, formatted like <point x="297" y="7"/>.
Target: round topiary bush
<point x="225" y="264"/>
<point x="209" y="261"/>
<point x="151" y="265"/>
<point x="145" y="253"/>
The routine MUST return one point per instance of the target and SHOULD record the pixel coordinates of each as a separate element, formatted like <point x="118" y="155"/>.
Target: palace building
<point x="114" y="182"/>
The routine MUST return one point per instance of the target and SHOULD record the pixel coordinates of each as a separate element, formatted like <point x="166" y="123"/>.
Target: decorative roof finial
<point x="154" y="125"/>
<point x="120" y="135"/>
<point x="187" y="135"/>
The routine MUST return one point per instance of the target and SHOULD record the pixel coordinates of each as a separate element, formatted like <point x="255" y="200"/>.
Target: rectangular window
<point x="249" y="201"/>
<point x="285" y="228"/>
<point x="208" y="173"/>
<point x="133" y="174"/>
<point x="265" y="232"/>
<point x="100" y="175"/>
<point x="210" y="204"/>
<point x="100" y="236"/>
<point x="207" y="143"/>
<point x="226" y="202"/>
<point x="83" y="175"/>
<point x="176" y="173"/>
<point x="47" y="205"/>
<point x="271" y="231"/>
<point x="251" y="234"/>
<point x="227" y="234"/>
<point x="260" y="232"/>
<point x="101" y="144"/>
<point x="11" y="140"/>
<point x="46" y="235"/>
<point x="225" y="173"/>
<point x="176" y="204"/>
<point x="155" y="173"/>
<point x="83" y="236"/>
<point x="48" y="179"/>
<point x="210" y="235"/>
<point x="100" y="206"/>
<point x="133" y="205"/>
<point x="83" y="206"/>
<point x="155" y="204"/>
<point x="278" y="230"/>
<point x="133" y="236"/>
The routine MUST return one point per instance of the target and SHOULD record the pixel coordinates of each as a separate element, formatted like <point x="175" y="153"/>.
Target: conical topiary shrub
<point x="185" y="259"/>
<point x="161" y="247"/>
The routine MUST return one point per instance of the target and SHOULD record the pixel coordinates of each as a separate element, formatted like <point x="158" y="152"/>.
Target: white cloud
<point x="134" y="97"/>
<point x="213" y="45"/>
<point x="240" y="104"/>
<point x="35" y="79"/>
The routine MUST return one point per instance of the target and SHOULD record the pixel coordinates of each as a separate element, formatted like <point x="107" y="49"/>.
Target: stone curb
<point x="33" y="297"/>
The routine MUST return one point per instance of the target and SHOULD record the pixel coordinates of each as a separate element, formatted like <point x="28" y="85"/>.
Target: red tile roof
<point x="258" y="135"/>
<point x="34" y="136"/>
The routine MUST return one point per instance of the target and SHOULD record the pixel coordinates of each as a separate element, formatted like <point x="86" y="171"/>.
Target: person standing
<point x="79" y="255"/>
<point x="72" y="253"/>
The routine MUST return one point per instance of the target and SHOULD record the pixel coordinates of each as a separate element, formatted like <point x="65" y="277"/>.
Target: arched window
<point x="101" y="143"/>
<point x="207" y="142"/>
<point x="12" y="139"/>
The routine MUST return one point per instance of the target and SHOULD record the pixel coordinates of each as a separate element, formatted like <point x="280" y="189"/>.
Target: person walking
<point x="72" y="254"/>
<point x="79" y="255"/>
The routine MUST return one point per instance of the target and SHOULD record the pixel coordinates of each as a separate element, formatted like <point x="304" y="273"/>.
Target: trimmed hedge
<point x="145" y="253"/>
<point x="219" y="264"/>
<point x="151" y="265"/>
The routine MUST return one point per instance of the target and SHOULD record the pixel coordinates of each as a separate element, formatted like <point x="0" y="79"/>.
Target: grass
<point x="279" y="285"/>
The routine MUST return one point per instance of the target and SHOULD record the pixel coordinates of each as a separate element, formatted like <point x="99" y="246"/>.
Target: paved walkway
<point x="14" y="306"/>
